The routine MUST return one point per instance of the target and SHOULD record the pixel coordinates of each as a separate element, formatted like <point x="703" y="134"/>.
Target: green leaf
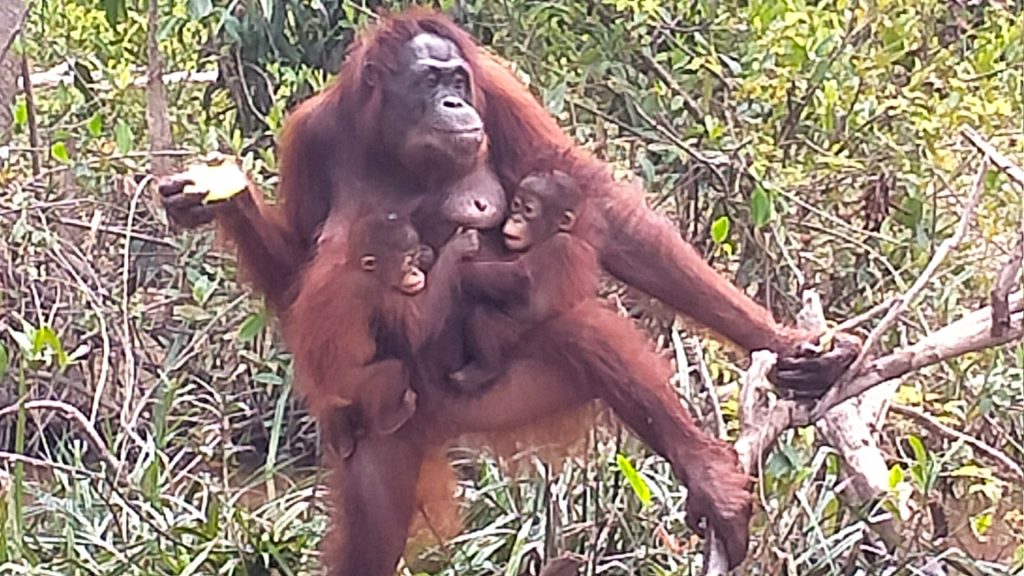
<point x="895" y="475"/>
<point x="21" y="113"/>
<point x="4" y="361"/>
<point x="203" y="288"/>
<point x="123" y="135"/>
<point x="555" y="99"/>
<point x="911" y="212"/>
<point x="640" y="487"/>
<point x="115" y="11"/>
<point x="232" y="27"/>
<point x="519" y="548"/>
<point x="252" y="326"/>
<point x="920" y="453"/>
<point x="59" y="151"/>
<point x="980" y="524"/>
<point x="95" y="125"/>
<point x="760" y="207"/>
<point x="46" y="339"/>
<point x="191" y="312"/>
<point x="720" y="229"/>
<point x="198" y="9"/>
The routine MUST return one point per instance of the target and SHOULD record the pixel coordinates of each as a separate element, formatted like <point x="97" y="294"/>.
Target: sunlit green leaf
<point x="980" y="524"/>
<point x="59" y="151"/>
<point x="895" y="475"/>
<point x="46" y="340"/>
<point x="21" y="113"/>
<point x="920" y="453"/>
<point x="720" y="229"/>
<point x="95" y="125"/>
<point x="640" y="487"/>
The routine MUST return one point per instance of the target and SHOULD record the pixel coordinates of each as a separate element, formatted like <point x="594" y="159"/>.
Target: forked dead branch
<point x="764" y="417"/>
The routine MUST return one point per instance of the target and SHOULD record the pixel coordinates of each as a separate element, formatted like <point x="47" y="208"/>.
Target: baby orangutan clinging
<point x="543" y="305"/>
<point x="364" y="311"/>
<point x="555" y="271"/>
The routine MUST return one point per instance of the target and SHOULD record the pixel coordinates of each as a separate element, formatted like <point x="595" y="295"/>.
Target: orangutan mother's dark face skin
<point x="428" y="114"/>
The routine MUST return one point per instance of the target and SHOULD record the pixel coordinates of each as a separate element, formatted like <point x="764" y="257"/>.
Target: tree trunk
<point x="157" y="119"/>
<point x="11" y="17"/>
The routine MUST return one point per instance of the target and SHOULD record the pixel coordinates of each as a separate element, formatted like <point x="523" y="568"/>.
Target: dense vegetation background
<point x="797" y="144"/>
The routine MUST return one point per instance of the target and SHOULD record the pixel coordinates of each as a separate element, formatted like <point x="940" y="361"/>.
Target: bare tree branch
<point x="761" y="423"/>
<point x="1005" y="164"/>
<point x="901" y="302"/>
<point x="157" y="119"/>
<point x="969" y="334"/>
<point x="763" y="417"/>
<point x="928" y="421"/>
<point x="1000" y="294"/>
<point x="857" y="321"/>
<point x="847" y="428"/>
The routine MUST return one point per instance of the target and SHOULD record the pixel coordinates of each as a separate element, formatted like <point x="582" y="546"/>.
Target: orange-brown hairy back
<point x="326" y="327"/>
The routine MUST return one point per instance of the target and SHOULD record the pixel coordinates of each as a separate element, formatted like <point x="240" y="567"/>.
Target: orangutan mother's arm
<point x="644" y="250"/>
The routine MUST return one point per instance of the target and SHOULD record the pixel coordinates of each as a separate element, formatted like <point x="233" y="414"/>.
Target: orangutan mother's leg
<point x="373" y="492"/>
<point x="594" y="352"/>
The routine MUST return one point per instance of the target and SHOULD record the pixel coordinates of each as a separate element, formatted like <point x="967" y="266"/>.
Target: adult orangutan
<point x="420" y="115"/>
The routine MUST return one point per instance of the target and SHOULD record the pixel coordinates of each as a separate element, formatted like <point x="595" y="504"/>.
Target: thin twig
<point x="74" y="414"/>
<point x="94" y="303"/>
<point x="851" y="323"/>
<point x="126" y="321"/>
<point x="30" y="107"/>
<point x="709" y="387"/>
<point x="38" y="463"/>
<point x="677" y="140"/>
<point x="691" y="106"/>
<point x="115" y="231"/>
<point x="930" y="422"/>
<point x="1005" y="164"/>
<point x="922" y="281"/>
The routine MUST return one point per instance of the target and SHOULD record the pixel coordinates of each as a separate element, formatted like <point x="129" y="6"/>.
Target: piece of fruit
<point x="217" y="177"/>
